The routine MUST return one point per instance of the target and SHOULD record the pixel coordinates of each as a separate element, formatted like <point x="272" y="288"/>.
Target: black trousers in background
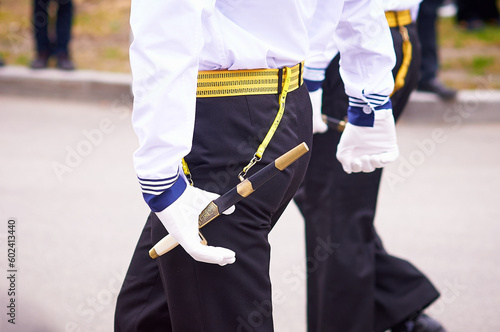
<point x="485" y="10"/>
<point x="44" y="44"/>
<point x="426" y="24"/>
<point x="176" y="293"/>
<point x="359" y="287"/>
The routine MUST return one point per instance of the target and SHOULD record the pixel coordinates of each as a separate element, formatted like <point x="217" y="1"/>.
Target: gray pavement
<point x="66" y="178"/>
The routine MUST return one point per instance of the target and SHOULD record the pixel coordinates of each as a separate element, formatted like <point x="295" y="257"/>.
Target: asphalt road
<point x="68" y="185"/>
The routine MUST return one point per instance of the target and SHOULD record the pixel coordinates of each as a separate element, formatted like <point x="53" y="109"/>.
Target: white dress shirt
<point x="173" y="40"/>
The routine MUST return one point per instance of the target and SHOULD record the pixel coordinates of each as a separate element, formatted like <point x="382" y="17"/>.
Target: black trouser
<point x="176" y="293"/>
<point x="477" y="10"/>
<point x="426" y="23"/>
<point x="359" y="287"/>
<point x="63" y="26"/>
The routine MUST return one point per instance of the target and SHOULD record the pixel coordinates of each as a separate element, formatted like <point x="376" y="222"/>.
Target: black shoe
<point x="438" y="88"/>
<point x="40" y="61"/>
<point x="424" y="323"/>
<point x="64" y="62"/>
<point x="419" y="323"/>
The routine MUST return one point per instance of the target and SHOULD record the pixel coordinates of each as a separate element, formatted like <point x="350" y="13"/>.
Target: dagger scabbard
<point x="236" y="194"/>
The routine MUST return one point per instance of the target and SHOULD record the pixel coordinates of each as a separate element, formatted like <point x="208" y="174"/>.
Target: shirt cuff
<point x="314" y="74"/>
<point x="160" y="193"/>
<point x="363" y="114"/>
<point x="313" y="85"/>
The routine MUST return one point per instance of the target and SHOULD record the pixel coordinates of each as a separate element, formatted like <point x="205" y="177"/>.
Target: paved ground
<point x="67" y="180"/>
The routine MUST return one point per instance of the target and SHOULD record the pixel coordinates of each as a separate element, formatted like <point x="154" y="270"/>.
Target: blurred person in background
<point x="357" y="286"/>
<point x="474" y="14"/>
<point x="426" y="25"/>
<point x="48" y="45"/>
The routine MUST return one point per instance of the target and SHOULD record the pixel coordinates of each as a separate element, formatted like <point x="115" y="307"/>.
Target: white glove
<point x="362" y="149"/>
<point x="181" y="221"/>
<point x="319" y="126"/>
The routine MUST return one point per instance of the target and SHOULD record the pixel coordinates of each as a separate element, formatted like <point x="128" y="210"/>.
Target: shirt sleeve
<point x="366" y="49"/>
<point x="322" y="47"/>
<point x="164" y="56"/>
<point x="362" y="36"/>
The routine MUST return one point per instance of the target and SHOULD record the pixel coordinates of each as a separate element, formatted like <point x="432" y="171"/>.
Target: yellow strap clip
<point x="186" y="171"/>
<point x="262" y="147"/>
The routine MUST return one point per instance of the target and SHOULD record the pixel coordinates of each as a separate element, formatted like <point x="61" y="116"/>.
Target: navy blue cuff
<point x="158" y="203"/>
<point x="364" y="116"/>
<point x="313" y="85"/>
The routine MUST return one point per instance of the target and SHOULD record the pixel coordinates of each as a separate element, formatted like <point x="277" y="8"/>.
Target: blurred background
<point x="67" y="179"/>
<point x="100" y="36"/>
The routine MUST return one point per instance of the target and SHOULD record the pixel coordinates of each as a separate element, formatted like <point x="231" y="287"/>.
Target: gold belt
<point x="399" y="18"/>
<point x="220" y="83"/>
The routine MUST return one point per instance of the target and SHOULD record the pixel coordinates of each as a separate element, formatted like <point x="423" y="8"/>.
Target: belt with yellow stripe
<point x="223" y="83"/>
<point x="398" y="18"/>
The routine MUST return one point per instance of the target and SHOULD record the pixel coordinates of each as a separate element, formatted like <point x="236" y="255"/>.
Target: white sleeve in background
<point x="322" y="48"/>
<point x="366" y="49"/>
<point x="164" y="57"/>
<point x="359" y="30"/>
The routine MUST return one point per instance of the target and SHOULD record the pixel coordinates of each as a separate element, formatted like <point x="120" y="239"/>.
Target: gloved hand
<point x="181" y="221"/>
<point x="319" y="126"/>
<point x="363" y="148"/>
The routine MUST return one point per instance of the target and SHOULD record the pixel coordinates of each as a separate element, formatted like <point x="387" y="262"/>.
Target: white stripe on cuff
<point x="157" y="186"/>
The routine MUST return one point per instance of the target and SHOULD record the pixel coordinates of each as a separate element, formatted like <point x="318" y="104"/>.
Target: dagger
<point x="332" y="122"/>
<point x="233" y="196"/>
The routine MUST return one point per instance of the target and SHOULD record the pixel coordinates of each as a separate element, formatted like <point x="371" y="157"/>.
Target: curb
<point x="80" y="85"/>
<point x="473" y="106"/>
<point x="97" y="86"/>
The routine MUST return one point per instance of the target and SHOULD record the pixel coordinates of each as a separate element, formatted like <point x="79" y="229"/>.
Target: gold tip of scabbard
<point x="285" y="160"/>
<point x="153" y="254"/>
<point x="342" y="124"/>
